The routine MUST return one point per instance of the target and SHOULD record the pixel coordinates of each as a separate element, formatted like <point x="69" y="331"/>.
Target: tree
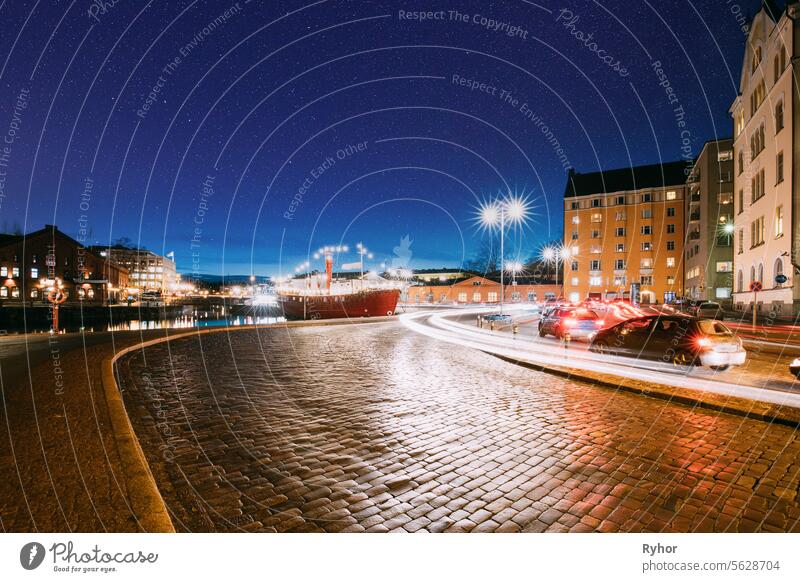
<point x="486" y="257"/>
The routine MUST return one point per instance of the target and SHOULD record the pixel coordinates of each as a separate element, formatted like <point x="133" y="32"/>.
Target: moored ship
<point x="319" y="297"/>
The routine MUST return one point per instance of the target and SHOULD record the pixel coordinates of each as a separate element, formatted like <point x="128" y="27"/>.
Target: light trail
<point x="439" y="326"/>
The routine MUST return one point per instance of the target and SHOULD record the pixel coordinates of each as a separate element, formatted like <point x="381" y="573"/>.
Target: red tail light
<point x="599" y="322"/>
<point x="703" y="343"/>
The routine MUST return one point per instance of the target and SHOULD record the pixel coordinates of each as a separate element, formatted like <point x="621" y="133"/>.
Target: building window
<point x="725" y="198"/>
<point x="619" y="264"/>
<point x="491" y="296"/>
<point x="757" y="97"/>
<point x="594" y="265"/>
<point x="595" y="281"/>
<point x="779" y="222"/>
<point x="620" y="231"/>
<point x="15" y="271"/>
<point x="597" y="217"/>
<point x="462" y="297"/>
<point x="620" y="247"/>
<point x="670" y="229"/>
<point x="15" y="292"/>
<point x="34" y="272"/>
<point x="693" y="273"/>
<point x="741" y="200"/>
<point x="741" y="162"/>
<point x="672" y="195"/>
<point x="574" y="266"/>
<point x="647" y="213"/>
<point x="779" y="168"/>
<point x="761" y="272"/>
<point x="647" y="197"/>
<point x="724" y="266"/>
<point x="724" y="155"/>
<point x="646" y="280"/>
<point x="757" y="232"/>
<point x="647" y="229"/>
<point x="647" y="264"/>
<point x="3" y="291"/>
<point x="779" y="116"/>
<point x="670" y="245"/>
<point x="778" y="270"/>
<point x="574" y="281"/>
<point x="670" y="280"/>
<point x="620" y="281"/>
<point x="34" y="293"/>
<point x="647" y="246"/>
<point x="741" y="241"/>
<point x="740" y="281"/>
<point x="575" y="220"/>
<point x="619" y="216"/>
<point x="476" y="297"/>
<point x="595" y="234"/>
<point x="620" y="199"/>
<point x="779" y="63"/>
<point x="575" y="205"/>
<point x="757" y="186"/>
<point x="670" y="261"/>
<point x="596" y="203"/>
<point x="574" y="235"/>
<point x="3" y="271"/>
<point x="671" y="211"/>
<point x="756" y="59"/>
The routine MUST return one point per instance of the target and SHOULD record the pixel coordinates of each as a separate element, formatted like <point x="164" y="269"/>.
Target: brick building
<point x="32" y="264"/>
<point x="477" y="289"/>
<point x="624" y="233"/>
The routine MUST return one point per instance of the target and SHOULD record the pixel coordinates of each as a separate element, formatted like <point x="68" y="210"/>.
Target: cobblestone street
<point x="375" y="428"/>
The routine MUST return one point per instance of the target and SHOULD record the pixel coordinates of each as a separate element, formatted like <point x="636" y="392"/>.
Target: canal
<point x="371" y="427"/>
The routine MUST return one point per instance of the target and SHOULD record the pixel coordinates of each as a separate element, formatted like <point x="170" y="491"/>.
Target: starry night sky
<point x="248" y="155"/>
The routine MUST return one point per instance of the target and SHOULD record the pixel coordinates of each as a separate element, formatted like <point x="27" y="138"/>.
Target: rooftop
<point x="625" y="179"/>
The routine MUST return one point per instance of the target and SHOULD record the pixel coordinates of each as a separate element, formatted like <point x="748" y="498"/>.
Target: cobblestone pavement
<point x="373" y="427"/>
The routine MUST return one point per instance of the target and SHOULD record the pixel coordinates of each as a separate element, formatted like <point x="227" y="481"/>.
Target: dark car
<point x="681" y="340"/>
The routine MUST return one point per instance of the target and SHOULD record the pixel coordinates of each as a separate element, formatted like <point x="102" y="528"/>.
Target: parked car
<point x="682" y="340"/>
<point x="497" y="317"/>
<point x="708" y="310"/>
<point x="579" y="323"/>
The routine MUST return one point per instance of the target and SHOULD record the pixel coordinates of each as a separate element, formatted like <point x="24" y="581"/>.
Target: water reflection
<point x="188" y="322"/>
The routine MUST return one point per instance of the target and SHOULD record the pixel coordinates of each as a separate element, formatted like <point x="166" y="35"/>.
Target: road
<point x="764" y="378"/>
<point x="380" y="428"/>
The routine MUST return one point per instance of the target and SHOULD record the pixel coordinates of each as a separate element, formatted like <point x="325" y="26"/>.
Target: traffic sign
<point x="756" y="286"/>
<point x="781" y="279"/>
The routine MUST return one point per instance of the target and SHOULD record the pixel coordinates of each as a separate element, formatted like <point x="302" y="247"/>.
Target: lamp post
<point x="556" y="256"/>
<point x="499" y="213"/>
<point x="362" y="252"/>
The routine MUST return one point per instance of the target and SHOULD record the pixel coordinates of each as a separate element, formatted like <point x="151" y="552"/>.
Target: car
<point x="497" y="317"/>
<point x="577" y="323"/>
<point x="708" y="310"/>
<point x="679" y="339"/>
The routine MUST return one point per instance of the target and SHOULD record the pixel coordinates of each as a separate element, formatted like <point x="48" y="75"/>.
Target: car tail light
<point x="599" y="322"/>
<point x="703" y="343"/>
<point x="570" y="322"/>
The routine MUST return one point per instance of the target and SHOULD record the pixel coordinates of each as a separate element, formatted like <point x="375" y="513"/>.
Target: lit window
<point x="575" y="220"/>
<point x="34" y="272"/>
<point x="15" y="292"/>
<point x="672" y="195"/>
<point x="462" y="297"/>
<point x="476" y="297"/>
<point x="15" y="271"/>
<point x="647" y="263"/>
<point x="594" y="265"/>
<point x="779" y="221"/>
<point x="724" y="266"/>
<point x="3" y="271"/>
<point x="574" y="281"/>
<point x="670" y="261"/>
<point x="595" y="281"/>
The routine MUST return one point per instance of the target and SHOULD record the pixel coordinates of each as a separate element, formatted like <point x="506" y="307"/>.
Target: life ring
<point x="56" y="296"/>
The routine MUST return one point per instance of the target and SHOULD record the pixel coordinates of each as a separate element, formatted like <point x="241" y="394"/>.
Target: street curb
<point x="146" y="501"/>
<point x="783" y="415"/>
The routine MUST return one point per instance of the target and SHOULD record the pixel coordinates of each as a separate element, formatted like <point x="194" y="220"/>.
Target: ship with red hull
<point x="364" y="303"/>
<point x="319" y="297"/>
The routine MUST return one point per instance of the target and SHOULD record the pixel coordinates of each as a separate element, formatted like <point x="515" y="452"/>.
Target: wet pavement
<point x="373" y="427"/>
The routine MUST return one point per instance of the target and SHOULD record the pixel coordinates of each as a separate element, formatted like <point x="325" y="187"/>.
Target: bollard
<point x="491" y="325"/>
<point x="515" y="330"/>
<point x="479" y="321"/>
<point x="567" y="339"/>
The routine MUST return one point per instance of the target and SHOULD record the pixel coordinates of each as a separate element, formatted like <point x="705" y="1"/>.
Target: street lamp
<point x="499" y="213"/>
<point x="362" y="252"/>
<point x="514" y="267"/>
<point x="555" y="255"/>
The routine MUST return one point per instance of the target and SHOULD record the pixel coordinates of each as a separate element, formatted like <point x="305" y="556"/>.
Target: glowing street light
<point x="514" y="267"/>
<point x="499" y="213"/>
<point x="553" y="255"/>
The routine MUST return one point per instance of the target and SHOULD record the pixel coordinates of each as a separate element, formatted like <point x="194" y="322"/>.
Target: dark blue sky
<point x="268" y="102"/>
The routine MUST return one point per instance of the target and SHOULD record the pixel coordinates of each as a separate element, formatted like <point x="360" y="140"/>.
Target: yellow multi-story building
<point x="624" y="233"/>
